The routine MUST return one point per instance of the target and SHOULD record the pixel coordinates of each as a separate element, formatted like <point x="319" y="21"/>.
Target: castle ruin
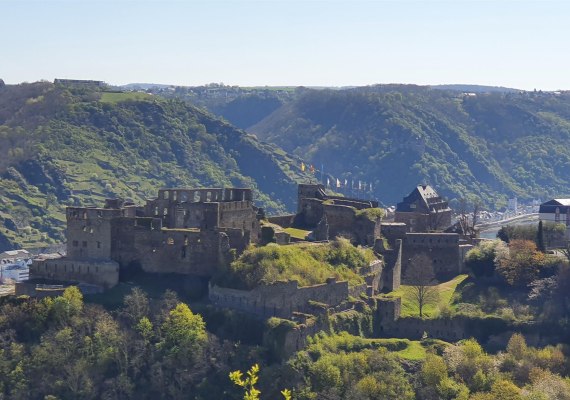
<point x="186" y="231"/>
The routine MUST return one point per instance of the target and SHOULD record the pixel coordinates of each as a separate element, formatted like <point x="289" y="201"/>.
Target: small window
<point x="170" y="241"/>
<point x="98" y="245"/>
<point x="75" y="243"/>
<point x="165" y="195"/>
<point x="165" y="212"/>
<point x="84" y="244"/>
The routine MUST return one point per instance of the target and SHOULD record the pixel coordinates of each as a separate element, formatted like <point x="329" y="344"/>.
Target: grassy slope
<point x="345" y="342"/>
<point x="445" y="291"/>
<point x="297" y="233"/>
<point x="63" y="148"/>
<point x="308" y="264"/>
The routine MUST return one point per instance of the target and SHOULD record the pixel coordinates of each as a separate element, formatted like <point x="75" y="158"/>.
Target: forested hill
<point x="76" y="146"/>
<point x="487" y="145"/>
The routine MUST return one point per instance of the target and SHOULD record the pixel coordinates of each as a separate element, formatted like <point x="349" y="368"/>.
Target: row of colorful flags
<point x="311" y="168"/>
<point x="353" y="184"/>
<point x="339" y="183"/>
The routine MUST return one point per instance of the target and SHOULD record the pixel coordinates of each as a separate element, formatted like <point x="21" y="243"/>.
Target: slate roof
<point x="427" y="196"/>
<point x="549" y="207"/>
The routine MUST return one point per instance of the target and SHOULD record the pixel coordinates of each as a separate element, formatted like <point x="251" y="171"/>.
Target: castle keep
<point x="187" y="231"/>
<point x="336" y="216"/>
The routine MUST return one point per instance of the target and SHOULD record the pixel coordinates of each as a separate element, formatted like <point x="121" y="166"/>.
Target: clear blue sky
<point x="521" y="44"/>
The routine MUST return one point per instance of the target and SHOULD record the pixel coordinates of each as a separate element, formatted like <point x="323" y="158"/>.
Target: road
<point x="518" y="220"/>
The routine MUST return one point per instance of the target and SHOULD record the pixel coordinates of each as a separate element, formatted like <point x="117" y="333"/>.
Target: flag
<point x="371" y="186"/>
<point x="312" y="169"/>
<point x="328" y="182"/>
<point x="346" y="182"/>
<point x="303" y="166"/>
<point x="337" y="183"/>
<point x="359" y="185"/>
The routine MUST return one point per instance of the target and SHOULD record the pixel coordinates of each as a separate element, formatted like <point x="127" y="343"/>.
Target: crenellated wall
<point x="101" y="273"/>
<point x="393" y="231"/>
<point x="281" y="299"/>
<point x="284" y="221"/>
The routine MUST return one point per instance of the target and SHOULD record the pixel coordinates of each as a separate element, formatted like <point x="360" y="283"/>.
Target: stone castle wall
<point x="311" y="212"/>
<point x="441" y="248"/>
<point x="342" y="221"/>
<point x="101" y="273"/>
<point x="392" y="278"/>
<point x="89" y="232"/>
<point x="393" y="231"/>
<point x="285" y="221"/>
<point x="281" y="299"/>
<point x="420" y="222"/>
<point x="184" y="251"/>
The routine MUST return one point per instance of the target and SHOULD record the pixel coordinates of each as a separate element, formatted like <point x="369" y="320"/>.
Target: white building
<point x="17" y="271"/>
<point x="555" y="210"/>
<point x="513" y="204"/>
<point x="11" y="255"/>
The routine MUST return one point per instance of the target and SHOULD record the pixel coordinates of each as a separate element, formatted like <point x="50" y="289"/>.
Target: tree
<point x="136" y="305"/>
<point x="566" y="251"/>
<point x="521" y="264"/>
<point x="434" y="370"/>
<point x="184" y="332"/>
<point x="540" y="238"/>
<point x="517" y="346"/>
<point x="505" y="390"/>
<point x="421" y="280"/>
<point x="248" y="384"/>
<point x="481" y="258"/>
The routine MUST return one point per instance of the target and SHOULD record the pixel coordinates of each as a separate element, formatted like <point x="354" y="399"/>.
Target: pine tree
<point x="540" y="238"/>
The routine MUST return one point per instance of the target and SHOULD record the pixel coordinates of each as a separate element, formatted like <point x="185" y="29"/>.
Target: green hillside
<point x="488" y="146"/>
<point x="77" y="146"/>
